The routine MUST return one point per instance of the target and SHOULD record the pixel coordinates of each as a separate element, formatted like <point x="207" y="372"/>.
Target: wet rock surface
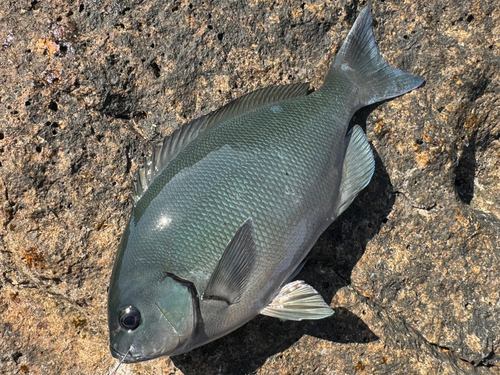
<point x="412" y="267"/>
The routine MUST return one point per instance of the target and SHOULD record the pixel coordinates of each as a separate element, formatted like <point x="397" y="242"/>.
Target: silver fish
<point x="229" y="205"/>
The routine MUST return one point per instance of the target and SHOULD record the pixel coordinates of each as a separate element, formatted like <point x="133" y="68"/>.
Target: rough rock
<point x="412" y="267"/>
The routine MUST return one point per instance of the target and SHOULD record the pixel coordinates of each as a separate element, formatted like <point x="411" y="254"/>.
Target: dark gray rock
<point x="412" y="267"/>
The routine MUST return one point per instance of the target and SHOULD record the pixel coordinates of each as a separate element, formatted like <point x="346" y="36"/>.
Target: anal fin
<point x="358" y="167"/>
<point x="298" y="301"/>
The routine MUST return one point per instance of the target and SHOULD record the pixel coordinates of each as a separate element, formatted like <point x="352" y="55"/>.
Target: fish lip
<point x="129" y="358"/>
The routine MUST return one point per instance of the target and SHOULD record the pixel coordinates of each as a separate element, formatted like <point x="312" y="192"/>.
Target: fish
<point x="227" y="207"/>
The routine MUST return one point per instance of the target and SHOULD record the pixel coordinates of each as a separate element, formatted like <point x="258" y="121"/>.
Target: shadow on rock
<point x="465" y="171"/>
<point x="328" y="269"/>
<point x="246" y="349"/>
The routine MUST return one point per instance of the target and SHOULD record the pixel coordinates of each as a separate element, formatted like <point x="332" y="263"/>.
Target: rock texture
<point x="412" y="268"/>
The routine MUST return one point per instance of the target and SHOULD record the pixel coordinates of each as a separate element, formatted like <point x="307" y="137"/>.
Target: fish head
<point x="149" y="316"/>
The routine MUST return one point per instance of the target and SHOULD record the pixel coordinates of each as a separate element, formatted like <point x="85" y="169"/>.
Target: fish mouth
<point x="128" y="358"/>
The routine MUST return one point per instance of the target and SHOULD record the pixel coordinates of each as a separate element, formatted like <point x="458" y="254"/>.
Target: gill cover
<point x="179" y="311"/>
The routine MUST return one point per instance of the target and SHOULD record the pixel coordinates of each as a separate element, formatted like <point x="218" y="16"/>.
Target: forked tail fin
<point x="360" y="60"/>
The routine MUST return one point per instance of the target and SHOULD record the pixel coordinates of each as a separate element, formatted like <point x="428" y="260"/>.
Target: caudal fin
<point x="360" y="60"/>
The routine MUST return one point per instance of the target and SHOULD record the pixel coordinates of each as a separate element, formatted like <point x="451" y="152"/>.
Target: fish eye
<point x="130" y="318"/>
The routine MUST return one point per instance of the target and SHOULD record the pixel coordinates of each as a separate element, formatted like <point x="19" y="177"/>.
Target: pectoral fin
<point x="296" y="272"/>
<point x="232" y="273"/>
<point x="298" y="301"/>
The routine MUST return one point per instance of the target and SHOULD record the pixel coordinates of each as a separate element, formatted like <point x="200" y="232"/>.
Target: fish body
<point x="228" y="207"/>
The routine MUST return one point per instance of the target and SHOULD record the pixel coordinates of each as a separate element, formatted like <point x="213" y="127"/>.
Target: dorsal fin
<point x="166" y="151"/>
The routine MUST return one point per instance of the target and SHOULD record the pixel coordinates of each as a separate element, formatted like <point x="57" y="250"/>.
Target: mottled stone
<point x="412" y="267"/>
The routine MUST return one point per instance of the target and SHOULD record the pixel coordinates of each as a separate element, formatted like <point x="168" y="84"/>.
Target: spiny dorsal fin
<point x="358" y="167"/>
<point x="235" y="267"/>
<point x="298" y="301"/>
<point x="166" y="151"/>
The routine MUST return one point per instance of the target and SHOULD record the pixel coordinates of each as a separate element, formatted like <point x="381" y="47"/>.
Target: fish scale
<point x="229" y="205"/>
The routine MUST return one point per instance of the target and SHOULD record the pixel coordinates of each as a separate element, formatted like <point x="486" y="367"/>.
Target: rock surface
<point x="412" y="267"/>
